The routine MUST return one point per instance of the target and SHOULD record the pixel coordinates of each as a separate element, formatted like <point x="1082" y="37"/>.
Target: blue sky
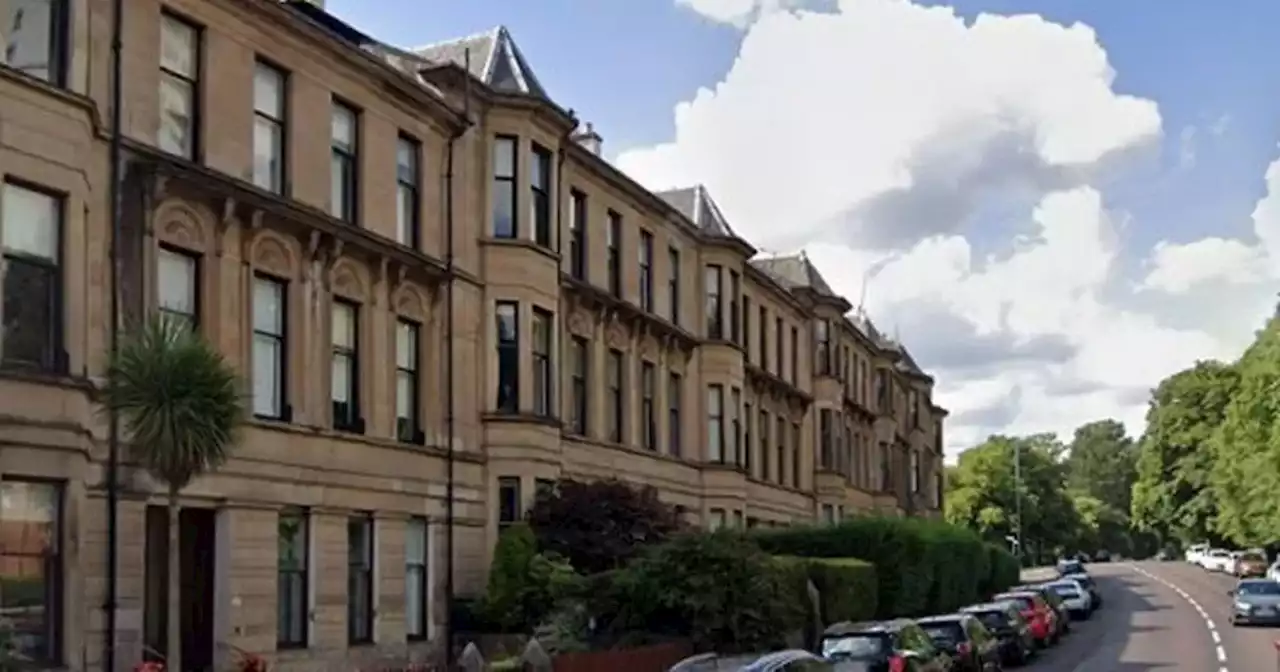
<point x="626" y="67"/>
<point x="1214" y="74"/>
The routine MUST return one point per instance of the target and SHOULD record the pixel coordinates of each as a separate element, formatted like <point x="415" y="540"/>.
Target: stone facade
<point x="616" y="365"/>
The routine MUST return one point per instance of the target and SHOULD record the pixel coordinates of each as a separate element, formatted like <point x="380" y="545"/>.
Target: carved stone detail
<point x="617" y="335"/>
<point x="579" y="323"/>
<point x="272" y="256"/>
<point x="346" y="281"/>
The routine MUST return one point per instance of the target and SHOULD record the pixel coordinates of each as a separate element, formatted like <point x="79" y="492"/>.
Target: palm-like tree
<point x="180" y="405"/>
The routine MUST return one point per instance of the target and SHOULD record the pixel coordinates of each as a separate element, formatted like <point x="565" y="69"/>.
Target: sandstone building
<point x="313" y="201"/>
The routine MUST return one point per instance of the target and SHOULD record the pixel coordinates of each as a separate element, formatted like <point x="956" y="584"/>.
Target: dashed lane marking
<point x="1204" y="615"/>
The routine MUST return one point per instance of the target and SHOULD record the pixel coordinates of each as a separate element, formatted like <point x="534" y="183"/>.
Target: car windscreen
<point x="858" y="645"/>
<point x="1069" y="567"/>
<point x="1065" y="589"/>
<point x="1024" y="602"/>
<point x="948" y="634"/>
<point x="1258" y="588"/>
<point x="994" y="620"/>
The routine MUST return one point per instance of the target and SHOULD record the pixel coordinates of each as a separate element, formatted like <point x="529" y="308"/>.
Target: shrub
<point x="847" y="587"/>
<point x="1003" y="570"/>
<point x="903" y="576"/>
<point x="718" y="589"/>
<point x="921" y="566"/>
<point x="525" y="585"/>
<point x="599" y="525"/>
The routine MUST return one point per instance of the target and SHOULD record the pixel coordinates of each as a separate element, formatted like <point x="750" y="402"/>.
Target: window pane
<point x="404" y="394"/>
<point x="178" y="42"/>
<point x="268" y="151"/>
<point x="415" y="548"/>
<point x="268" y="306"/>
<point x="30" y="222"/>
<point x="343" y="128"/>
<point x="504" y="155"/>
<point x="406" y="203"/>
<point x="407" y="161"/>
<point x="538" y="169"/>
<point x="27" y="25"/>
<point x="341" y="376"/>
<point x="176" y="116"/>
<point x="340" y="185"/>
<point x="293" y="542"/>
<point x="407" y="346"/>
<point x="266" y="375"/>
<point x="176" y="282"/>
<point x="268" y="91"/>
<point x="33" y="509"/>
<point x="28" y="312"/>
<point x="504" y="209"/>
<point x="344" y="326"/>
<point x="506" y="322"/>
<point x="541" y="333"/>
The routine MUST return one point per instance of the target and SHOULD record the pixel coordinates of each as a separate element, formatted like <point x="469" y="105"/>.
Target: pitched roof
<point x="696" y="204"/>
<point x="795" y="272"/>
<point x="495" y="60"/>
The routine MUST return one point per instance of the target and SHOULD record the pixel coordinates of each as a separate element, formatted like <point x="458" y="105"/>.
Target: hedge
<point x="921" y="566"/>
<point x="847" y="587"/>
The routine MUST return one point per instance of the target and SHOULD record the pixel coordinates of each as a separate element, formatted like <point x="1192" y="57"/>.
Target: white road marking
<point x="1208" y="622"/>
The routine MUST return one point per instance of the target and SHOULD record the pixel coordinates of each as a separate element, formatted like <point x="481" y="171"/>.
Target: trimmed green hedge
<point x="847" y="586"/>
<point x="920" y="566"/>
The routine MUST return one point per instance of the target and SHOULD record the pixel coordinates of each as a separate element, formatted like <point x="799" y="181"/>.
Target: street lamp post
<point x="1017" y="496"/>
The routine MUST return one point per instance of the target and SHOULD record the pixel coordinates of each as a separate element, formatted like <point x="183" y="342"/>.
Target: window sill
<point x="522" y="243"/>
<point x="524" y="418"/>
<point x="381" y="442"/>
<point x="53" y="378"/>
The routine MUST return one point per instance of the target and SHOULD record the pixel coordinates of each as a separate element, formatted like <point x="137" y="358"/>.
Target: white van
<point x="1195" y="554"/>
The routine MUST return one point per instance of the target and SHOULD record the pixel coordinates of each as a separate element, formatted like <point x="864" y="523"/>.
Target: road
<point x="1152" y="623"/>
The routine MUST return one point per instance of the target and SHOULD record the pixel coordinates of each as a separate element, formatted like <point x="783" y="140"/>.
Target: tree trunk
<point x="173" y="639"/>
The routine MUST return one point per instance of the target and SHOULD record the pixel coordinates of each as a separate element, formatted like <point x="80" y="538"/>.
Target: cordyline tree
<point x="600" y="525"/>
<point x="180" y="406"/>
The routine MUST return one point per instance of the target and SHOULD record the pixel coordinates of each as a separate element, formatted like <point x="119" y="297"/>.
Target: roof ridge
<point x="488" y="32"/>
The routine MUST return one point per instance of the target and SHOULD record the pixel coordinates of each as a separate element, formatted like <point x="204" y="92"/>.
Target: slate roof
<point x="495" y="60"/>
<point x="696" y="204"/>
<point x="795" y="272"/>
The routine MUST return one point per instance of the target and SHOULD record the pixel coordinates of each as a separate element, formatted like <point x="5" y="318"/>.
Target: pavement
<point x="1153" y="622"/>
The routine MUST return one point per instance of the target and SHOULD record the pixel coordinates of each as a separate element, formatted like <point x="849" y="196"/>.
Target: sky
<point x="1053" y="203"/>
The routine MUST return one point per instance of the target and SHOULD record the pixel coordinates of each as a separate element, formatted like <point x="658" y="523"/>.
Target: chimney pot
<point x="589" y="139"/>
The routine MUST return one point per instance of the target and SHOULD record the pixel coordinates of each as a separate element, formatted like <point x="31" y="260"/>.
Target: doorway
<point x="197" y="537"/>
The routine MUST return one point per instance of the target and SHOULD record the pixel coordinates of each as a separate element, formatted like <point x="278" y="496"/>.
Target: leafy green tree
<point x="1102" y="462"/>
<point x="983" y="493"/>
<point x="1172" y="495"/>
<point x="1245" y="471"/>
<point x="180" y="406"/>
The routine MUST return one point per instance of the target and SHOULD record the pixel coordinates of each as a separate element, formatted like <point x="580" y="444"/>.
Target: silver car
<point x="1255" y="602"/>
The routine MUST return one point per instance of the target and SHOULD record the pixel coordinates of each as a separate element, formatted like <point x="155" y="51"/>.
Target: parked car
<point x="1089" y="585"/>
<point x="1102" y="556"/>
<point x="1075" y="597"/>
<point x="889" y="646"/>
<point x="1195" y="554"/>
<point x="1273" y="572"/>
<point x="791" y="660"/>
<point x="1041" y="617"/>
<point x="1250" y="564"/>
<point x="1063" y="621"/>
<point x="1255" y="602"/>
<point x="1017" y="645"/>
<point x="971" y="646"/>
<point x="1069" y="566"/>
<point x="1216" y="560"/>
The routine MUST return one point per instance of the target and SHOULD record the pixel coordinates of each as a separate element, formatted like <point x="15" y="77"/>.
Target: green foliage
<point x="1172" y="494"/>
<point x="719" y="589"/>
<point x="847" y="587"/>
<point x="600" y="525"/>
<point x="983" y="493"/>
<point x="1003" y="570"/>
<point x="1245" y="448"/>
<point x="922" y="566"/>
<point x="1102" y="463"/>
<point x="179" y="401"/>
<point x="525" y="585"/>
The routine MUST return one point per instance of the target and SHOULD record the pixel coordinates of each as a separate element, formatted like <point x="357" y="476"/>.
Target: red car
<point x="1041" y="618"/>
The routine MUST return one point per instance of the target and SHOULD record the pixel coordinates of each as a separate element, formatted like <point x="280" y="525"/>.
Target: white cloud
<point x="885" y="127"/>
<point x="739" y="13"/>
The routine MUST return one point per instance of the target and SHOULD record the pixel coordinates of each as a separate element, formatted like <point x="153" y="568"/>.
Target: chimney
<point x="589" y="139"/>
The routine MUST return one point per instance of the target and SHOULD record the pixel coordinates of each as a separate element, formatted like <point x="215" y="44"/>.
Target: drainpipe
<point x="449" y="418"/>
<point x="113" y="432"/>
<point x="557" y="392"/>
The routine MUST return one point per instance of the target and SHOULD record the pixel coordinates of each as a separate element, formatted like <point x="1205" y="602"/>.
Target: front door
<point x="197" y="536"/>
